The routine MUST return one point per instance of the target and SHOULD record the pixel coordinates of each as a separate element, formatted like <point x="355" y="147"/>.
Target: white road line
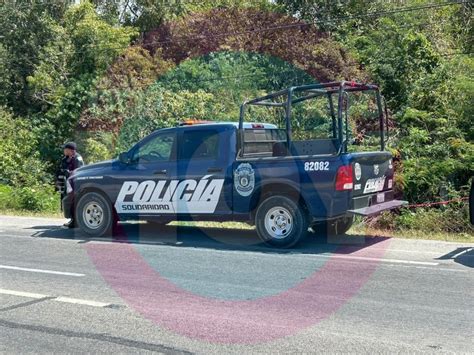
<point x="413" y="251"/>
<point x="21" y="293"/>
<point x="9" y="267"/>
<point x="435" y="269"/>
<point x="334" y="256"/>
<point x="395" y="261"/>
<point x="79" y="301"/>
<point x="53" y="298"/>
<point x="442" y="269"/>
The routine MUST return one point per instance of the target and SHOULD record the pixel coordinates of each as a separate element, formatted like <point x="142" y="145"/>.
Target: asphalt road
<point x="191" y="290"/>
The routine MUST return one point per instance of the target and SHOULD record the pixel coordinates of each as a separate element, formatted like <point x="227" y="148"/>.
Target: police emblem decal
<point x="244" y="179"/>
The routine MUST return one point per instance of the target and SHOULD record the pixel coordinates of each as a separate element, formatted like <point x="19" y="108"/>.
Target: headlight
<point x="68" y="187"/>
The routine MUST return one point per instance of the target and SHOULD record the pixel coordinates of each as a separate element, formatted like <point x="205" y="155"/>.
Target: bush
<point x="95" y="147"/>
<point x="39" y="198"/>
<point x="95" y="151"/>
<point x="453" y="218"/>
<point x="20" y="163"/>
<point x="6" y="197"/>
<point x="160" y="108"/>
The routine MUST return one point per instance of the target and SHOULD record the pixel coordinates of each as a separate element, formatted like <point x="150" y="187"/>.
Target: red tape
<point x="428" y="204"/>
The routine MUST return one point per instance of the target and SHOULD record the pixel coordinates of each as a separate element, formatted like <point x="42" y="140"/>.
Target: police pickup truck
<point x="259" y="173"/>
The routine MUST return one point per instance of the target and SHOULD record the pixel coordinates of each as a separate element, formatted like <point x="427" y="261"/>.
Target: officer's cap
<point x="70" y="145"/>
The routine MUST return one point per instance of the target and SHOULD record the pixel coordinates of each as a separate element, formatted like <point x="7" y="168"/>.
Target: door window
<point x="158" y="148"/>
<point x="200" y="144"/>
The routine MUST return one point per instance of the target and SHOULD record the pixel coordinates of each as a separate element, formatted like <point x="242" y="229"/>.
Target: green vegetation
<point x="198" y="89"/>
<point x="20" y="162"/>
<point x="435" y="223"/>
<point x="428" y="90"/>
<point x="40" y="198"/>
<point x="106" y="73"/>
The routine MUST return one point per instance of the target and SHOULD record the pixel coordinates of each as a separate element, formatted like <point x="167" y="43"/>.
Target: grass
<point x="224" y="225"/>
<point x="412" y="234"/>
<point x="26" y="213"/>
<point x="357" y="229"/>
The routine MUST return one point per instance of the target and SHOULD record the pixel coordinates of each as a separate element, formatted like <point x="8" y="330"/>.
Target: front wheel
<point x="281" y="222"/>
<point x="94" y="214"/>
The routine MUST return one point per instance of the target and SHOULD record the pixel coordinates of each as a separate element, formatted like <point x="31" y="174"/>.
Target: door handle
<point x="160" y="172"/>
<point x="214" y="170"/>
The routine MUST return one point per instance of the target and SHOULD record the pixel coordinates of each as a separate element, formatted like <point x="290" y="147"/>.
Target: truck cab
<point x="269" y="174"/>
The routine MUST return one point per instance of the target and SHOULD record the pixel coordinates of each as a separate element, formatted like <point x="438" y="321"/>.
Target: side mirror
<point x="124" y="158"/>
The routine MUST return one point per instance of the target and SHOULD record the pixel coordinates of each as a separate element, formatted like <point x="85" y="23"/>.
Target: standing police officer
<point x="70" y="162"/>
<point x="471" y="202"/>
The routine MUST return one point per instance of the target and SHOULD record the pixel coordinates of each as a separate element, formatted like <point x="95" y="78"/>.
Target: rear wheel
<point x="281" y="222"/>
<point x="94" y="214"/>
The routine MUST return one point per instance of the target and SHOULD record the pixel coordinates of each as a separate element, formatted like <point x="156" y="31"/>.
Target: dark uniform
<point x="471" y="202"/>
<point x="67" y="165"/>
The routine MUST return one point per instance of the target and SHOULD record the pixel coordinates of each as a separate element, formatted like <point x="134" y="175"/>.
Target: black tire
<point x="281" y="222"/>
<point x="94" y="215"/>
<point x="339" y="226"/>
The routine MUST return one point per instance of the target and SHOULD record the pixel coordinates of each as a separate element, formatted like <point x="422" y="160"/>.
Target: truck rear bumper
<point x="375" y="209"/>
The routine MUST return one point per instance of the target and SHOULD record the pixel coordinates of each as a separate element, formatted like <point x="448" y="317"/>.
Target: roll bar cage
<point x="342" y="88"/>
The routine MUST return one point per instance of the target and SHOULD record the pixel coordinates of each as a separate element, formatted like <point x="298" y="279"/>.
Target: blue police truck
<point x="267" y="174"/>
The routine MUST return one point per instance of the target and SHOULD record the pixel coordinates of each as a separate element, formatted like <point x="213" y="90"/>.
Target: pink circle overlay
<point x="267" y="318"/>
<point x="247" y="322"/>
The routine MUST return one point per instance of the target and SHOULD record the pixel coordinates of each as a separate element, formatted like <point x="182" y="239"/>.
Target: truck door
<point x="203" y="165"/>
<point x="145" y="184"/>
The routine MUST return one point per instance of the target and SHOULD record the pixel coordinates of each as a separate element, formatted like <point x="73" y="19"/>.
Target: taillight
<point x="344" y="179"/>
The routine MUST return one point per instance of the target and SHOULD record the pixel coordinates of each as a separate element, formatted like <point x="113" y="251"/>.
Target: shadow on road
<point x="463" y="256"/>
<point x="211" y="238"/>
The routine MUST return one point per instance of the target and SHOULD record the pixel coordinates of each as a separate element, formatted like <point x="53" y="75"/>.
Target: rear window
<point x="199" y="144"/>
<point x="262" y="142"/>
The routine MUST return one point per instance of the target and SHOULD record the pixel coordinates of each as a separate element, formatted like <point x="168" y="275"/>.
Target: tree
<point x="333" y="17"/>
<point x="20" y="163"/>
<point x="241" y="30"/>
<point x="25" y="29"/>
<point x="96" y="43"/>
<point x="429" y="92"/>
<point x="65" y="77"/>
<point x="149" y="14"/>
